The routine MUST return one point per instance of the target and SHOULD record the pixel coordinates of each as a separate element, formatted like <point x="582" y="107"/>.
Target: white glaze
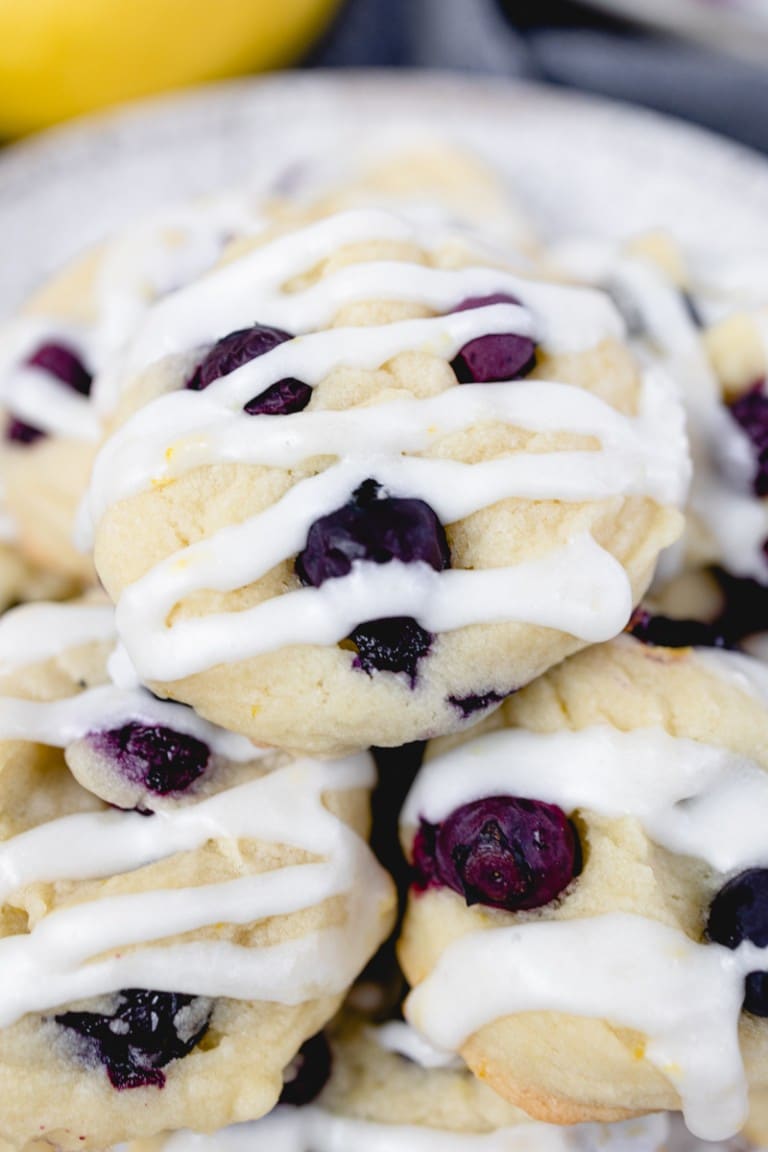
<point x="312" y="1129"/>
<point x="32" y="633"/>
<point x="578" y="588"/>
<point x="397" y="1036"/>
<point x="721" y="494"/>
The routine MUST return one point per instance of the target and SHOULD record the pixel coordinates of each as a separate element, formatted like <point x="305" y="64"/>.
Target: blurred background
<point x="704" y="60"/>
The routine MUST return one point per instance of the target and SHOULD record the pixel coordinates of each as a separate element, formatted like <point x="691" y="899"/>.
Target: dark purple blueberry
<point x="238" y="348"/>
<point x="745" y="607"/>
<point x="372" y="526"/>
<point x="750" y="411"/>
<point x="156" y="758"/>
<point x="497" y="356"/>
<point x="502" y="851"/>
<point x="396" y="644"/>
<point x="280" y="399"/>
<point x="740" y="912"/>
<point x="667" y="632"/>
<point x="147" y="1031"/>
<point x="466" y="706"/>
<point x="308" y="1073"/>
<point x="64" y="365"/>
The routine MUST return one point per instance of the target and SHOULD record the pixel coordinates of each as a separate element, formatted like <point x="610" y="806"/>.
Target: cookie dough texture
<point x="51" y="1091"/>
<point x="342" y="707"/>
<point x="561" y="1068"/>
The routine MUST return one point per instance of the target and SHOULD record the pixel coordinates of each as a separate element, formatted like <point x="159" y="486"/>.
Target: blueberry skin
<point x="155" y="757"/>
<point x="495" y="357"/>
<point x="502" y="852"/>
<point x="63" y="364"/>
<point x="312" y="1066"/>
<point x="750" y="411"/>
<point x="739" y="912"/>
<point x="238" y="348"/>
<point x="667" y="632"/>
<point x="138" y="1039"/>
<point x="396" y="644"/>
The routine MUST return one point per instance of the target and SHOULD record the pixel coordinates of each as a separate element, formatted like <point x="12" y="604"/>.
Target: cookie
<point x="180" y="910"/>
<point x="579" y="927"/>
<point x="416" y="482"/>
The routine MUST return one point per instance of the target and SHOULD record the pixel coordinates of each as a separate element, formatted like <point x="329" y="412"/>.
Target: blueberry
<point x="62" y="364"/>
<point x="154" y="757"/>
<point x="750" y="411"/>
<point x="239" y="348"/>
<point x="466" y="706"/>
<point x="496" y="357"/>
<point x="376" y="527"/>
<point x="745" y="609"/>
<point x="503" y="852"/>
<point x="396" y="645"/>
<point x="740" y="912"/>
<point x="147" y="1031"/>
<point x="667" y="632"/>
<point x="308" y="1073"/>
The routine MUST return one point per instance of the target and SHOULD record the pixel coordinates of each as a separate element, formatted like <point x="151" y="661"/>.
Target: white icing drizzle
<point x="313" y="1129"/>
<point x="56" y="962"/>
<point x="692" y="799"/>
<point x="32" y="633"/>
<point x="397" y="1036"/>
<point x="721" y="494"/>
<point x="579" y="587"/>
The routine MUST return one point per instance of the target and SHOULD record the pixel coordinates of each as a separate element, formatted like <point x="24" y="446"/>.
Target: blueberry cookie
<point x="179" y="909"/>
<point x="589" y="911"/>
<point x="379" y="475"/>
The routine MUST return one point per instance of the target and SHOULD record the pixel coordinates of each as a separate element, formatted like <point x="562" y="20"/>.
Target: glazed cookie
<point x="69" y="333"/>
<point x="412" y="485"/>
<point x="179" y="912"/>
<point x="698" y="317"/>
<point x="590" y="904"/>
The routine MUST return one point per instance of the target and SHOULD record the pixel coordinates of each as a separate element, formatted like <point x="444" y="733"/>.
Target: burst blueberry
<point x="308" y="1072"/>
<point x="62" y="364"/>
<point x="379" y="528"/>
<point x="155" y="757"/>
<point x="497" y="356"/>
<point x="239" y="348"/>
<point x="750" y="411"/>
<point x="502" y="851"/>
<point x="145" y="1033"/>
<point x="467" y="706"/>
<point x="739" y="912"/>
<point x="667" y="632"/>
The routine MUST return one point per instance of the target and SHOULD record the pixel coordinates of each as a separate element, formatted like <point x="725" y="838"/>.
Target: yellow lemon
<point x="59" y="58"/>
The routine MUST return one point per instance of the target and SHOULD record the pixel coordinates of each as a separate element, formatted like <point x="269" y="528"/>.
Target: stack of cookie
<point x="374" y="488"/>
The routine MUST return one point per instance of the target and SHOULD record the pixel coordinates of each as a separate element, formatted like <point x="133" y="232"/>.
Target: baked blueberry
<point x="238" y="348"/>
<point x="750" y="411"/>
<point x="61" y="363"/>
<point x="154" y="757"/>
<point x="502" y="851"/>
<point x="308" y="1073"/>
<point x="146" y="1031"/>
<point x="497" y="356"/>
<point x="739" y="912"/>
<point x="396" y="644"/>
<point x="667" y="632"/>
<point x="466" y="706"/>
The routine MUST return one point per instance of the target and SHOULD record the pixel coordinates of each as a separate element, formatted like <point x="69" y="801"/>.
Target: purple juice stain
<point x="156" y="758"/>
<point x="308" y="1072"/>
<point x="62" y="364"/>
<point x="739" y="912"/>
<point x="495" y="357"/>
<point x="146" y="1031"/>
<point x="502" y="852"/>
<point x="376" y="527"/>
<point x="239" y="348"/>
<point x="467" y="706"/>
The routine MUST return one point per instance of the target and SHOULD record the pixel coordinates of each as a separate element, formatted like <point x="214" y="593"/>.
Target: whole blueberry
<point x="497" y="356"/>
<point x="61" y="363"/>
<point x="308" y="1073"/>
<point x="155" y="757"/>
<point x="502" y="851"/>
<point x="238" y="348"/>
<point x="146" y="1031"/>
<point x="750" y="411"/>
<point x="376" y="527"/>
<point x="739" y="912"/>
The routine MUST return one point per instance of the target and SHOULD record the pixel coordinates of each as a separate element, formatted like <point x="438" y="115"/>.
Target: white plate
<point x="738" y="26"/>
<point x="579" y="163"/>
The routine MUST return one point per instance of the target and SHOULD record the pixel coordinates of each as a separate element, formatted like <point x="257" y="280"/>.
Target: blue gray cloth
<point x="557" y="42"/>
